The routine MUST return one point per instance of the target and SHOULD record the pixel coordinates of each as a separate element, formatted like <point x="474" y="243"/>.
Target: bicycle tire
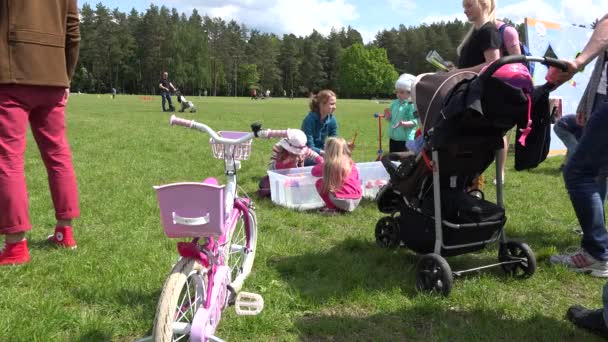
<point x="167" y="311"/>
<point x="236" y="257"/>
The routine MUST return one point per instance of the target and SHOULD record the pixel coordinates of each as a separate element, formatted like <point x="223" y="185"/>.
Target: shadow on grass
<point x="433" y="322"/>
<point x="94" y="335"/>
<point x="355" y="265"/>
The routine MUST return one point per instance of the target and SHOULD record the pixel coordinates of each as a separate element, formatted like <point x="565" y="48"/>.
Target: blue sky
<point x="368" y="17"/>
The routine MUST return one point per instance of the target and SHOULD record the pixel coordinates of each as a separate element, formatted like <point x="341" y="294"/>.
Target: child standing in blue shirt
<point x="402" y="122"/>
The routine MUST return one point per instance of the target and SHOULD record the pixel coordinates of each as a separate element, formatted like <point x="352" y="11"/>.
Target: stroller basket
<point x="468" y="224"/>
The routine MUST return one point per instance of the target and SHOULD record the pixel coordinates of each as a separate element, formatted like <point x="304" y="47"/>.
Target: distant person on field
<point x="113" y="93"/>
<point x="402" y="122"/>
<point x="339" y="186"/>
<point x="254" y="94"/>
<point x="35" y="90"/>
<point x="166" y="87"/>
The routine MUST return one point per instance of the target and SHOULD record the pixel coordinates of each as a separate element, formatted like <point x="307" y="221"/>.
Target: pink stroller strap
<point x="526" y="131"/>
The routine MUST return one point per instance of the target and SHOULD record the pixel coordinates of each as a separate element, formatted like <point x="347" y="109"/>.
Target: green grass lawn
<point x="322" y="278"/>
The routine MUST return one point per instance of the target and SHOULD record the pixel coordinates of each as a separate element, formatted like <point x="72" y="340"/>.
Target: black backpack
<point x="538" y="141"/>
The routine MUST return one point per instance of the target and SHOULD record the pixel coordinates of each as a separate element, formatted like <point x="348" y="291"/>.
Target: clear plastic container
<point x="295" y="188"/>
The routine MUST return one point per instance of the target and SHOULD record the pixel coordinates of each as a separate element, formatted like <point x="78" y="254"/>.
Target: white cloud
<point x="402" y="5"/>
<point x="297" y="17"/>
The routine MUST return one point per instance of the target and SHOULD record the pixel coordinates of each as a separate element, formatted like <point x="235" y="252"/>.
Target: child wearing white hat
<point x="401" y="115"/>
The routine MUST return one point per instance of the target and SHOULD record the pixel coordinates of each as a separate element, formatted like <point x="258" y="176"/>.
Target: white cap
<point x="405" y="82"/>
<point x="295" y="141"/>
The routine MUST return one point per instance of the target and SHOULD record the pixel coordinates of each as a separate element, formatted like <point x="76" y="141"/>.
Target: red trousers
<point x="44" y="109"/>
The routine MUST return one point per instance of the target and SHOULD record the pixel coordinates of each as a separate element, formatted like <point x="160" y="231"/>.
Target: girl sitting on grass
<point x="339" y="186"/>
<point x="289" y="152"/>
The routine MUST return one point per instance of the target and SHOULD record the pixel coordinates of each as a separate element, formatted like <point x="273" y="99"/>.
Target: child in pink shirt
<point x="339" y="186"/>
<point x="291" y="151"/>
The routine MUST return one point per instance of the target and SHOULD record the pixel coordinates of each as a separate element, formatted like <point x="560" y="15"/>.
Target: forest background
<point x="206" y="55"/>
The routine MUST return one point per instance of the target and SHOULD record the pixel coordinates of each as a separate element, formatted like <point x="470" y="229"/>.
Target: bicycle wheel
<point x="237" y="256"/>
<point x="183" y="294"/>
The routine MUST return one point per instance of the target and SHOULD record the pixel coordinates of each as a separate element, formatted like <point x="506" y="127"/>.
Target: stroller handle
<point x="548" y="61"/>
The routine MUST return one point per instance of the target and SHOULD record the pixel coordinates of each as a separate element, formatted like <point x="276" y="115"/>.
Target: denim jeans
<point x="585" y="178"/>
<point x="166" y="97"/>
<point x="568" y="131"/>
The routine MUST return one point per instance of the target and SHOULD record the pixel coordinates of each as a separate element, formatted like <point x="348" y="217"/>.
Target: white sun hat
<point x="295" y="141"/>
<point x="404" y="82"/>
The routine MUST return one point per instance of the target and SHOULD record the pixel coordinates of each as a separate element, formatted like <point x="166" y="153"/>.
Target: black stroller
<point x="430" y="208"/>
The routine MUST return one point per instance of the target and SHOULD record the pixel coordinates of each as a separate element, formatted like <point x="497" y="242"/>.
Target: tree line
<point x="225" y="58"/>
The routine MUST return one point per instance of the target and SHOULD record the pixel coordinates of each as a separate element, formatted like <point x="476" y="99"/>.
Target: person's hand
<point x="387" y="113"/>
<point x="67" y="94"/>
<point x="450" y="65"/>
<point x="581" y="119"/>
<point x="406" y="124"/>
<point x="559" y="77"/>
<point x="351" y="145"/>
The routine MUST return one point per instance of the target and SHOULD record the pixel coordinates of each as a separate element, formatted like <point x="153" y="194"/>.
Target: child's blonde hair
<point x="337" y="164"/>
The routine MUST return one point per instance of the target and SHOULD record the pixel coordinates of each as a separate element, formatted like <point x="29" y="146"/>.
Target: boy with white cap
<point x="403" y="123"/>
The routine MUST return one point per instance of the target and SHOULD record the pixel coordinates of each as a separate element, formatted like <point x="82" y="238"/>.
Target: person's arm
<point x="162" y="87"/>
<point x="596" y="45"/>
<point x="308" y="130"/>
<point x="511" y="40"/>
<point x="387" y="114"/>
<point x="72" y="38"/>
<point x="332" y="130"/>
<point x="172" y="86"/>
<point x="491" y="55"/>
<point x="317" y="170"/>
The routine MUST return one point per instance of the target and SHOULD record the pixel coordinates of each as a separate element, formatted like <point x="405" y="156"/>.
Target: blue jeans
<point x="166" y="97"/>
<point x="585" y="178"/>
<point x="568" y="131"/>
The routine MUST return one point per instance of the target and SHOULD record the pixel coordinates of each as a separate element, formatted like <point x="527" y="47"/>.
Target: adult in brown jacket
<point x="39" y="42"/>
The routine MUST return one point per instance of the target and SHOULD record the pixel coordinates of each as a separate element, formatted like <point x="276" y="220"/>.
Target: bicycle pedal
<point x="248" y="304"/>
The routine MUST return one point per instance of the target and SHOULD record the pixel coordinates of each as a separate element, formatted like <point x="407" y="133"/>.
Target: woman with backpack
<point x="481" y="45"/>
<point x="510" y="46"/>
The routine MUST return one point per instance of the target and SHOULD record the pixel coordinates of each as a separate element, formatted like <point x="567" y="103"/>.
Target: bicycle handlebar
<point x="204" y="128"/>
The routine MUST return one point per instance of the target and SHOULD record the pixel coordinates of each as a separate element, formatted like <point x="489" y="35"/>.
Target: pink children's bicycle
<point x="213" y="266"/>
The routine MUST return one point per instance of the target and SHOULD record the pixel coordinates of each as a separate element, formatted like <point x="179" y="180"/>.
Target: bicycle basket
<point x="239" y="152"/>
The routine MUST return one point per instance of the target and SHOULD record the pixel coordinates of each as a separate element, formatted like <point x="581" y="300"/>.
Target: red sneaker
<point x="15" y="253"/>
<point x="63" y="237"/>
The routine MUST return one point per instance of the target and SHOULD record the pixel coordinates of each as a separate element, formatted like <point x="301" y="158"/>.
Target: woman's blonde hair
<point x="489" y="8"/>
<point x="320" y="98"/>
<point x="337" y="164"/>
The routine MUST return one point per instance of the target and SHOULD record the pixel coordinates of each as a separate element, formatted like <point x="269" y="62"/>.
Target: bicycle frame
<point x="213" y="254"/>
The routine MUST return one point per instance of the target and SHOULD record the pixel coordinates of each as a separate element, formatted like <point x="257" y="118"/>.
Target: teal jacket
<point x="317" y="131"/>
<point x="402" y="111"/>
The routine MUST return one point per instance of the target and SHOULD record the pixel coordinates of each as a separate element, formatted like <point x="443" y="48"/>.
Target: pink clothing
<point x="44" y="108"/>
<point x="297" y="161"/>
<point x="351" y="187"/>
<point x="510" y="37"/>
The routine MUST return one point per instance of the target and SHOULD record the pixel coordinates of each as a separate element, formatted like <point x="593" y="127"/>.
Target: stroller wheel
<point x="433" y="274"/>
<point x="518" y="259"/>
<point x="387" y="233"/>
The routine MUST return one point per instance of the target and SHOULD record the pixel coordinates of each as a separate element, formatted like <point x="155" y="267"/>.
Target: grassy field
<point x="323" y="278"/>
